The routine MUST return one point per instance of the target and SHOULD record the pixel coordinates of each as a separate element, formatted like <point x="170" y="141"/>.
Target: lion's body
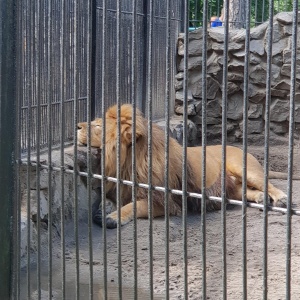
<point x="234" y="163"/>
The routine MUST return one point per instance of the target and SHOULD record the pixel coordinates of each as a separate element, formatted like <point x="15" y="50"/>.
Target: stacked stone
<point x="280" y="79"/>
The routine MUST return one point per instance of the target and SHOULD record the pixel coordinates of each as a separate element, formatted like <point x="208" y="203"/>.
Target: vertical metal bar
<point x="291" y="150"/>
<point x="49" y="117"/>
<point x="263" y="11"/>
<point x="75" y="116"/>
<point x="255" y="13"/>
<point x="133" y="157"/>
<point x="93" y="56"/>
<point x="266" y="154"/>
<point x="89" y="167"/>
<point x="245" y="148"/>
<point x="182" y="15"/>
<point x="8" y="93"/>
<point x="184" y="149"/>
<point x="16" y="289"/>
<point x="16" y="276"/>
<point x="149" y="107"/>
<point x="196" y="19"/>
<point x="167" y="148"/>
<point x="103" y="182"/>
<point x="29" y="93"/>
<point x="204" y="142"/>
<point x="118" y="95"/>
<point x="37" y="94"/>
<point x="142" y="103"/>
<point x="224" y="144"/>
<point x="62" y="141"/>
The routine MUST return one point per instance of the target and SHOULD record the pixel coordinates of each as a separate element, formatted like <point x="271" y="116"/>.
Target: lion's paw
<point x="280" y="202"/>
<point x="260" y="198"/>
<point x="111" y="223"/>
<point x="97" y="217"/>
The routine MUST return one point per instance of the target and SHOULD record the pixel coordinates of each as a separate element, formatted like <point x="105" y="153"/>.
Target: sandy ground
<point x="276" y="254"/>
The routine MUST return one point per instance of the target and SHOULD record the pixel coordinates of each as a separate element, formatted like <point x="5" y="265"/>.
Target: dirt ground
<point x="276" y="253"/>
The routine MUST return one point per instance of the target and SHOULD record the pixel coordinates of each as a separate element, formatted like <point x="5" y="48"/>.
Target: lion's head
<point x="111" y="132"/>
<point x="96" y="129"/>
<point x="126" y="128"/>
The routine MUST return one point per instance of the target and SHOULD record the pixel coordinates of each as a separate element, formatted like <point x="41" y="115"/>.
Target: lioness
<point x="255" y="173"/>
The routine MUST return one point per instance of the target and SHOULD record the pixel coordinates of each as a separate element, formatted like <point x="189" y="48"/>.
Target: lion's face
<point x="96" y="133"/>
<point x="111" y="130"/>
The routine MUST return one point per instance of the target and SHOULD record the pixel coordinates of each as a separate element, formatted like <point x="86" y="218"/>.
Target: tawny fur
<point x="255" y="174"/>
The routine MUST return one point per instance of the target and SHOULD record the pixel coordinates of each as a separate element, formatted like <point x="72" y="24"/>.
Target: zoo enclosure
<point x="48" y="82"/>
<point x="57" y="85"/>
<point x="76" y="44"/>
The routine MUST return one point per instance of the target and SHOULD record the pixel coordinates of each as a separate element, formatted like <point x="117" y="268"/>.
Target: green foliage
<point x="259" y="10"/>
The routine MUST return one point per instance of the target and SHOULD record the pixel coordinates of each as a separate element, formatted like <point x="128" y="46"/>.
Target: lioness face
<point x="96" y="133"/>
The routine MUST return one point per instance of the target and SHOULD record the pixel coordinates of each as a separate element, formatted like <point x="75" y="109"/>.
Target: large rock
<point x="212" y="87"/>
<point x="176" y="130"/>
<point x="62" y="194"/>
<point x="235" y="106"/>
<point x="279" y="128"/>
<point x="286" y="70"/>
<point x="257" y="47"/>
<point x="277" y="32"/>
<point x="253" y="126"/>
<point x="279" y="110"/>
<point x="297" y="111"/>
<point x="194" y="62"/>
<point x="193" y="108"/>
<point x="259" y="32"/>
<point x="285" y="17"/>
<point x="255" y="111"/>
<point x="61" y="189"/>
<point x="278" y="47"/>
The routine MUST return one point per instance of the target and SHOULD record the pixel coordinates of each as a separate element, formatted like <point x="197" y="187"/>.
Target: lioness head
<point x="96" y="130"/>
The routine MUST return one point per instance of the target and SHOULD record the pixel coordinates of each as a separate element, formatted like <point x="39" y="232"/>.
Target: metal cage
<point x="65" y="62"/>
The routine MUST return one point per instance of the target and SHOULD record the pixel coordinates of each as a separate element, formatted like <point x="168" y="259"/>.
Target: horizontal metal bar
<point x="122" y="12"/>
<point x="58" y="102"/>
<point x="139" y="14"/>
<point x="163" y="189"/>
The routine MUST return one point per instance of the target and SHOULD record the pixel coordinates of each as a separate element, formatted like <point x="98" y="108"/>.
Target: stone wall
<point x="280" y="81"/>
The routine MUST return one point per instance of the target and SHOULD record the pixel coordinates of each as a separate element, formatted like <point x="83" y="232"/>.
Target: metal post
<point x="93" y="56"/>
<point x="142" y="104"/>
<point x="184" y="150"/>
<point x="224" y="144"/>
<point x="204" y="143"/>
<point x="288" y="274"/>
<point x="8" y="40"/>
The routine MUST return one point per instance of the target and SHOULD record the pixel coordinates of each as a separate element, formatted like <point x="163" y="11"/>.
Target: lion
<point x="234" y="171"/>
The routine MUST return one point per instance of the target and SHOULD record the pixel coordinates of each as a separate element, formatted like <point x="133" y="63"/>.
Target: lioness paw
<point x="111" y="223"/>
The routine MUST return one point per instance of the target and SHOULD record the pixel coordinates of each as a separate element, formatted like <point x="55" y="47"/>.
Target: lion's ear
<point x="81" y="125"/>
<point x="126" y="132"/>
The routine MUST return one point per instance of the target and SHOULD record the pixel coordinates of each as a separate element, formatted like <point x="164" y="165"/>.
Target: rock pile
<point x="280" y="79"/>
